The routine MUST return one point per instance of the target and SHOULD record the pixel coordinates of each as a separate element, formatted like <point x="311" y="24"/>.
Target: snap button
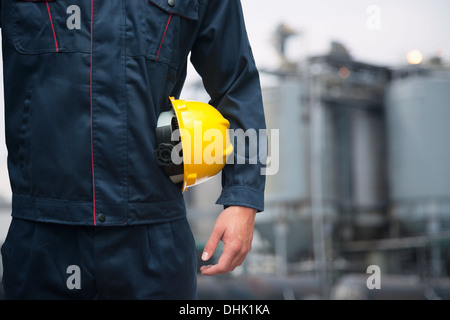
<point x="171" y="3"/>
<point x="101" y="217"/>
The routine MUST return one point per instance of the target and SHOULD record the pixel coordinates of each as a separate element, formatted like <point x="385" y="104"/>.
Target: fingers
<point x="212" y="243"/>
<point x="233" y="256"/>
<point x="224" y="264"/>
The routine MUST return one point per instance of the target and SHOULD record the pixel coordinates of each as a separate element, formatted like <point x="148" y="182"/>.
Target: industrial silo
<point x="283" y="223"/>
<point x="418" y="113"/>
<point x="285" y="114"/>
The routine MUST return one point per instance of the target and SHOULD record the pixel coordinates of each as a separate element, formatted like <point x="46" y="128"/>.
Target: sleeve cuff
<point x="242" y="196"/>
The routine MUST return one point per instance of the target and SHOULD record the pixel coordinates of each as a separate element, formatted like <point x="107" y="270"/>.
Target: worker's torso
<point x="82" y="101"/>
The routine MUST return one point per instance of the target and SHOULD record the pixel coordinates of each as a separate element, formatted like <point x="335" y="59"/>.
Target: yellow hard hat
<point x="193" y="142"/>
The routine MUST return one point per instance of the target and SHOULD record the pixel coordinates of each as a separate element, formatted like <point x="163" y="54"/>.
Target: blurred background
<point x="360" y="93"/>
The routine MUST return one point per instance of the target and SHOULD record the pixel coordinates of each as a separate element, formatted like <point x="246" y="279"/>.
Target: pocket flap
<point x="184" y="8"/>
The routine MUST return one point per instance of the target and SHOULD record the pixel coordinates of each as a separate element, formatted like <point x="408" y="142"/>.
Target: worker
<point x="94" y="215"/>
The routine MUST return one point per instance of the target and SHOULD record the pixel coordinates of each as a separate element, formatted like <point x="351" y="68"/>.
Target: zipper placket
<point x="91" y="111"/>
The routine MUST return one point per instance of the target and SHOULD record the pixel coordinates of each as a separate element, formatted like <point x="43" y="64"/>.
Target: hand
<point x="234" y="227"/>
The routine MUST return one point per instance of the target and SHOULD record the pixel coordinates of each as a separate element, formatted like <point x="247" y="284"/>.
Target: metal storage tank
<point x="289" y="109"/>
<point x="285" y="113"/>
<point x="418" y="113"/>
<point x="368" y="159"/>
<point x="283" y="224"/>
<point x="287" y="220"/>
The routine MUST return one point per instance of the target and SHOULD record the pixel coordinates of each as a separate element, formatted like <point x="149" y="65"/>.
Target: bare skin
<point x="234" y="227"/>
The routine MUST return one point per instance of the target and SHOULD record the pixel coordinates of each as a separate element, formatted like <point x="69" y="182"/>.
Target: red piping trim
<point x="164" y="36"/>
<point x="53" y="29"/>
<point x="92" y="137"/>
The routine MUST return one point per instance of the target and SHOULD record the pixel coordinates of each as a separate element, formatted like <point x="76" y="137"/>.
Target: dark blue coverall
<point x="94" y="216"/>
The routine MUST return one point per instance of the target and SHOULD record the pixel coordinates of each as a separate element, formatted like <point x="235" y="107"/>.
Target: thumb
<point x="211" y="245"/>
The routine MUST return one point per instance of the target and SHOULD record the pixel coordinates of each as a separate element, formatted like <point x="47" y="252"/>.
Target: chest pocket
<point x="161" y="29"/>
<point x="51" y="26"/>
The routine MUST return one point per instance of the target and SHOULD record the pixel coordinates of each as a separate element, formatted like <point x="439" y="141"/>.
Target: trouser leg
<point x="52" y="261"/>
<point x="159" y="261"/>
<point x="47" y="261"/>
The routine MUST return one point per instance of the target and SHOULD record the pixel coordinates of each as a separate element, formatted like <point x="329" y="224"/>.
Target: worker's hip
<point x="54" y="261"/>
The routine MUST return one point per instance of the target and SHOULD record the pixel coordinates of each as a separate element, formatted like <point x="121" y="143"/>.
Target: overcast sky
<point x="403" y="25"/>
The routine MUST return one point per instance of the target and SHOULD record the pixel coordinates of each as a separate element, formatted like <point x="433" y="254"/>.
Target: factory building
<point x="363" y="180"/>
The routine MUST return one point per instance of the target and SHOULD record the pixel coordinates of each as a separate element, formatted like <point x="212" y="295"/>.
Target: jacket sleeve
<point x="223" y="58"/>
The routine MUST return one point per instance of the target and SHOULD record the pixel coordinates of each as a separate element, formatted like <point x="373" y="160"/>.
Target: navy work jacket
<point x="84" y="84"/>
